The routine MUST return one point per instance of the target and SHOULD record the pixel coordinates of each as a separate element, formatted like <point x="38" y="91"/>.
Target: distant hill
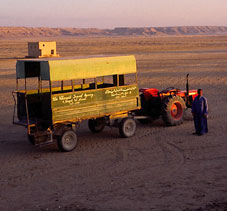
<point x="7" y="32"/>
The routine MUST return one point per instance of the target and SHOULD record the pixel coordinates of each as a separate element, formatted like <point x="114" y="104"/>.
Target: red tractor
<point x="169" y="103"/>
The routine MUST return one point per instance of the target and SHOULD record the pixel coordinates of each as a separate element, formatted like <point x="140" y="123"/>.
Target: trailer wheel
<point x="67" y="142"/>
<point x="173" y="110"/>
<point x="127" y="127"/>
<point x="96" y="125"/>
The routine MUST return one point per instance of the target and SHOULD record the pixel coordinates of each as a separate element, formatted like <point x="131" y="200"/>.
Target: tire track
<point x="172" y="153"/>
<point x="45" y="164"/>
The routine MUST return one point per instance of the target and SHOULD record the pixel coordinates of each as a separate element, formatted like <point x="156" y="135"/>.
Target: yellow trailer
<point x="102" y="90"/>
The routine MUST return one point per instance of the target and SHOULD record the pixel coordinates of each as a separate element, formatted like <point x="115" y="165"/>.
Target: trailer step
<point x="24" y="123"/>
<point x="45" y="143"/>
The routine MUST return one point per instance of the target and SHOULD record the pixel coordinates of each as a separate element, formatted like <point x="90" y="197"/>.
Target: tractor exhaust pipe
<point x="187" y="86"/>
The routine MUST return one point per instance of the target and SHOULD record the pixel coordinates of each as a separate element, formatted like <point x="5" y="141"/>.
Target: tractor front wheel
<point x="173" y="110"/>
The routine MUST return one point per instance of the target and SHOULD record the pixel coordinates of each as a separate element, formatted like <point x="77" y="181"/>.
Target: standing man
<point x="200" y="113"/>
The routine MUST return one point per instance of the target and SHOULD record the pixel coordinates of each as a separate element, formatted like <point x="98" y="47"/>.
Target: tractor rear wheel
<point x="173" y="110"/>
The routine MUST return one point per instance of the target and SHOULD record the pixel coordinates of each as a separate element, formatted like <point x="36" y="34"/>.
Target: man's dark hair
<point x="199" y="90"/>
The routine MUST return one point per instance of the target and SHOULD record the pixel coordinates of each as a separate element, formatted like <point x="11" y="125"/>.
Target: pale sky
<point x="112" y="13"/>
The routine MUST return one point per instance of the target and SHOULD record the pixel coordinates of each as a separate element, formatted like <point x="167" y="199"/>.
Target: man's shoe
<point x="200" y="134"/>
<point x="195" y="133"/>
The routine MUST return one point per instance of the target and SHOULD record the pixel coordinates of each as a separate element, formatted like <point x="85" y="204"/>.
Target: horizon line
<point x="113" y="27"/>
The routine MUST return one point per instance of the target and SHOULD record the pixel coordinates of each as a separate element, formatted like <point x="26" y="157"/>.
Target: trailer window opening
<point x="73" y="85"/>
<point x="32" y="85"/>
<point x="67" y="85"/>
<point x="20" y="84"/>
<point x="100" y="81"/>
<point x="45" y="86"/>
<point x="56" y="86"/>
<point x="88" y="83"/>
<point x="106" y="81"/>
<point x="116" y="80"/>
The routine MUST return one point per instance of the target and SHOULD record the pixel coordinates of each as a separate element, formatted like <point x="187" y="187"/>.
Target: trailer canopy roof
<point x="58" y="69"/>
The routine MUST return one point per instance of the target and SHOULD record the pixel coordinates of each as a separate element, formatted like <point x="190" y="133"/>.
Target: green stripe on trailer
<point x="92" y="104"/>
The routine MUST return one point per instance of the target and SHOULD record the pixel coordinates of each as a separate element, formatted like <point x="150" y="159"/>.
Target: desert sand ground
<point x="160" y="168"/>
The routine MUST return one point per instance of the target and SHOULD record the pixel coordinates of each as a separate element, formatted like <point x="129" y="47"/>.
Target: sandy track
<point x="161" y="168"/>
